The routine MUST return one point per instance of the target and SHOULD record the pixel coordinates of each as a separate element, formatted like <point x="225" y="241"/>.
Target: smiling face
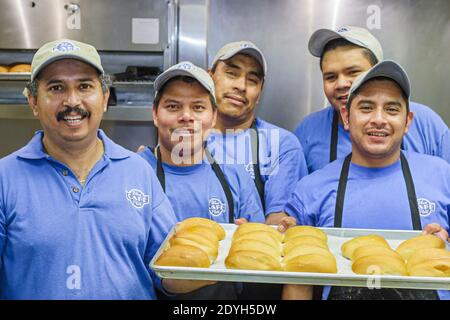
<point x="69" y="103"/>
<point x="183" y="116"/>
<point x="377" y="120"/>
<point x="238" y="82"/>
<point x="340" y="67"/>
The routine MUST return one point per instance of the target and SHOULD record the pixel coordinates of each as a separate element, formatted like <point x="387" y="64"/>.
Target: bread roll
<point x="253" y="226"/>
<point x="364" y="251"/>
<point x="252" y="260"/>
<point x="185" y="237"/>
<point x="214" y="226"/>
<point x="255" y="245"/>
<point x="304" y="250"/>
<point x="303" y="240"/>
<point x="184" y="256"/>
<point x="4" y="69"/>
<point x="422" y="255"/>
<point x="297" y="231"/>
<point x="21" y="67"/>
<point x="312" y="263"/>
<point x="203" y="231"/>
<point x="406" y="248"/>
<point x="431" y="268"/>
<point x="348" y="247"/>
<point x="263" y="236"/>
<point x="380" y="265"/>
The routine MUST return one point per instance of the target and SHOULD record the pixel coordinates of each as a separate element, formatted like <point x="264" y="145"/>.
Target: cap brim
<point x="249" y="51"/>
<point x="61" y="57"/>
<point x="319" y="40"/>
<point x="386" y="69"/>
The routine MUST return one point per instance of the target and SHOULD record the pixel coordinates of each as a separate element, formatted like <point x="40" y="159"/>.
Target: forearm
<point x="297" y="292"/>
<point x="184" y="286"/>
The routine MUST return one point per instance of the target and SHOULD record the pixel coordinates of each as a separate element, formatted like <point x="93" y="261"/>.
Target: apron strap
<point x="254" y="138"/>
<point x="341" y="192"/>
<point x="334" y="136"/>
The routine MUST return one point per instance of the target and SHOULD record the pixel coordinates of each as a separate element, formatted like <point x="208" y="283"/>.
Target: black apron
<point x="361" y="293"/>
<point x="220" y="290"/>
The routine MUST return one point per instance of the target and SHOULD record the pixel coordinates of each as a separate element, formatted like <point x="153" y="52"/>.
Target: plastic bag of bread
<point x="408" y="247"/>
<point x="350" y="246"/>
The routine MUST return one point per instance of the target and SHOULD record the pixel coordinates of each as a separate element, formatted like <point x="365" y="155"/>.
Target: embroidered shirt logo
<point x="137" y="198"/>
<point x="426" y="207"/>
<point x="250" y="170"/>
<point x="65" y="47"/>
<point x="216" y="207"/>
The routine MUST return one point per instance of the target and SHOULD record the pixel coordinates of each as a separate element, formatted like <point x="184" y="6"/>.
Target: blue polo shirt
<point x="428" y="134"/>
<point x="60" y="240"/>
<point x="281" y="159"/>
<point x="195" y="191"/>
<point x="375" y="198"/>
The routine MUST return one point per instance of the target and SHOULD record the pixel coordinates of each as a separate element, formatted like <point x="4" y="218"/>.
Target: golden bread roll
<point x="252" y="260"/>
<point x="255" y="245"/>
<point x="304" y="250"/>
<point x="303" y="240"/>
<point x="21" y="67"/>
<point x="4" y="69"/>
<point x="432" y="268"/>
<point x="184" y="256"/>
<point x="203" y="231"/>
<point x="312" y="263"/>
<point x="208" y="223"/>
<point x="263" y="236"/>
<point x="184" y="237"/>
<point x="406" y="248"/>
<point x="369" y="250"/>
<point x="254" y="226"/>
<point x="423" y="255"/>
<point x="297" y="231"/>
<point x="380" y="265"/>
<point x="348" y="247"/>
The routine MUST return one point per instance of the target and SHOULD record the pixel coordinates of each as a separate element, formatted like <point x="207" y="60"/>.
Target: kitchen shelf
<point x="114" y="113"/>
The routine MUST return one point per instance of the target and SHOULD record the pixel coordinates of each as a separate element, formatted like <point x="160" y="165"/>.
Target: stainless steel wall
<point x="416" y="33"/>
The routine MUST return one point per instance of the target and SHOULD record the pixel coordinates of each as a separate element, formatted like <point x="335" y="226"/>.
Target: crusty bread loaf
<point x="252" y="260"/>
<point x="297" y="231"/>
<point x="370" y="250"/>
<point x="304" y="250"/>
<point x="423" y="255"/>
<point x="348" y="247"/>
<point x="380" y="265"/>
<point x="312" y="263"/>
<point x="407" y="247"/>
<point x="21" y="67"/>
<point x="255" y="245"/>
<point x="4" y="69"/>
<point x="303" y="240"/>
<point x="253" y="226"/>
<point x="212" y="225"/>
<point x="184" y="237"/>
<point x="263" y="236"/>
<point x="184" y="256"/>
<point x="432" y="268"/>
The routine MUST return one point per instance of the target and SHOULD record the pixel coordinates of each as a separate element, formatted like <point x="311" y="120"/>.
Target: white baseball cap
<point x="386" y="69"/>
<point x="186" y="68"/>
<point x="356" y="35"/>
<point x="231" y="49"/>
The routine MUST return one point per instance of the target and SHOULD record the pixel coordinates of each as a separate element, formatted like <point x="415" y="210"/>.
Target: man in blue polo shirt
<point x="344" y="54"/>
<point x="377" y="185"/>
<point x="271" y="155"/>
<point x="184" y="111"/>
<point x="80" y="216"/>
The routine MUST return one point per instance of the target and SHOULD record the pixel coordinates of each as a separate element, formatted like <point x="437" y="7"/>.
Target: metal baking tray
<point x="15" y="76"/>
<point x="344" y="277"/>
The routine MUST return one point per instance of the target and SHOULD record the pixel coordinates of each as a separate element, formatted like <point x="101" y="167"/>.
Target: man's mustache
<point x="70" y="110"/>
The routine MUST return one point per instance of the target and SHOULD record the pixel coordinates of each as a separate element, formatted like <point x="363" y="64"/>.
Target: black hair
<point x="338" y="43"/>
